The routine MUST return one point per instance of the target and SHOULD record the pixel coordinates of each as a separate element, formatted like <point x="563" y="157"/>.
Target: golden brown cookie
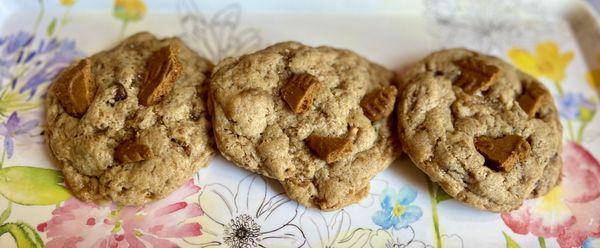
<point x="293" y="113"/>
<point x="130" y="124"/>
<point x="486" y="132"/>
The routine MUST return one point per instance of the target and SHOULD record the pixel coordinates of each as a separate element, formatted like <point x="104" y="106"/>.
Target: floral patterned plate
<point x="223" y="206"/>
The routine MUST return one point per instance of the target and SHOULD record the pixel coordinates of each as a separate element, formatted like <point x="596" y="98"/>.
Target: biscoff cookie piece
<point x="130" y="124"/>
<point x="314" y="118"/>
<point x="486" y="132"/>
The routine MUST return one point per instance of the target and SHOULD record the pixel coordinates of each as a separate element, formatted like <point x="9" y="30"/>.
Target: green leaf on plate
<point x="11" y="101"/>
<point x="441" y="195"/>
<point x="32" y="233"/>
<point x="542" y="242"/>
<point x="6" y="213"/>
<point x="510" y="243"/>
<point x="32" y="186"/>
<point x="51" y="27"/>
<point x="23" y="234"/>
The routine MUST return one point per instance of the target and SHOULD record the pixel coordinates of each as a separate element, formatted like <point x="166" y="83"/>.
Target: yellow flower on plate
<point x="67" y="2"/>
<point x="552" y="201"/>
<point x="593" y="77"/>
<point x="547" y="61"/>
<point x="129" y="10"/>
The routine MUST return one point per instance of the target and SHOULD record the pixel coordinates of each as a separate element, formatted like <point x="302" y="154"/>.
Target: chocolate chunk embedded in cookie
<point x="486" y="132"/>
<point x="130" y="124"/>
<point x="293" y="113"/>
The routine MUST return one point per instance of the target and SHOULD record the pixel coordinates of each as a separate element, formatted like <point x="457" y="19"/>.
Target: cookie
<point x="130" y="124"/>
<point x="550" y="177"/>
<point x="314" y="118"/>
<point x="486" y="132"/>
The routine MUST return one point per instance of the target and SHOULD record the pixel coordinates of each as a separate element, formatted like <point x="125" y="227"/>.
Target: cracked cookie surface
<point x="258" y="130"/>
<point x="170" y="140"/>
<point x="439" y="122"/>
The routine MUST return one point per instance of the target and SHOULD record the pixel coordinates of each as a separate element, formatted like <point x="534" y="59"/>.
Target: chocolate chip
<point x="299" y="92"/>
<point x="186" y="148"/>
<point x="476" y="75"/>
<point x="121" y="93"/>
<point x="75" y="88"/>
<point x="163" y="69"/>
<point x="379" y="103"/>
<point x="330" y="149"/>
<point x="130" y="151"/>
<point x="532" y="99"/>
<point x="501" y="154"/>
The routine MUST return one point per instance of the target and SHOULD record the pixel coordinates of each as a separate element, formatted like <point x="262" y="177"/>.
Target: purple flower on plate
<point x="575" y="106"/>
<point x="14" y="42"/>
<point x="12" y="128"/>
<point x="27" y="62"/>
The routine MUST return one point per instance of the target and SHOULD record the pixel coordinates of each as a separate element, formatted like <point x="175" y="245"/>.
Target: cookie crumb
<point x="299" y="92"/>
<point x="532" y="99"/>
<point x="379" y="104"/>
<point x="163" y="68"/>
<point x="476" y="75"/>
<point x="331" y="149"/>
<point x="501" y="154"/>
<point x="75" y="88"/>
<point x="130" y="151"/>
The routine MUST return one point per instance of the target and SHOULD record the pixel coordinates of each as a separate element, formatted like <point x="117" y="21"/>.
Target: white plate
<point x="556" y="40"/>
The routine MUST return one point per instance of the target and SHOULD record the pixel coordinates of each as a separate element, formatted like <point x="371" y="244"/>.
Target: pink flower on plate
<point x="79" y="224"/>
<point x="571" y="211"/>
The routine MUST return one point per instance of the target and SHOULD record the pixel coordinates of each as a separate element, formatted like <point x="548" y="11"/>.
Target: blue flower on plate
<point x="12" y="128"/>
<point x="27" y="62"/>
<point x="396" y="209"/>
<point x="591" y="243"/>
<point x="575" y="106"/>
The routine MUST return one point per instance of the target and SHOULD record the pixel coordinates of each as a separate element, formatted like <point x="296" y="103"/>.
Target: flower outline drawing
<point x="219" y="36"/>
<point x="249" y="216"/>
